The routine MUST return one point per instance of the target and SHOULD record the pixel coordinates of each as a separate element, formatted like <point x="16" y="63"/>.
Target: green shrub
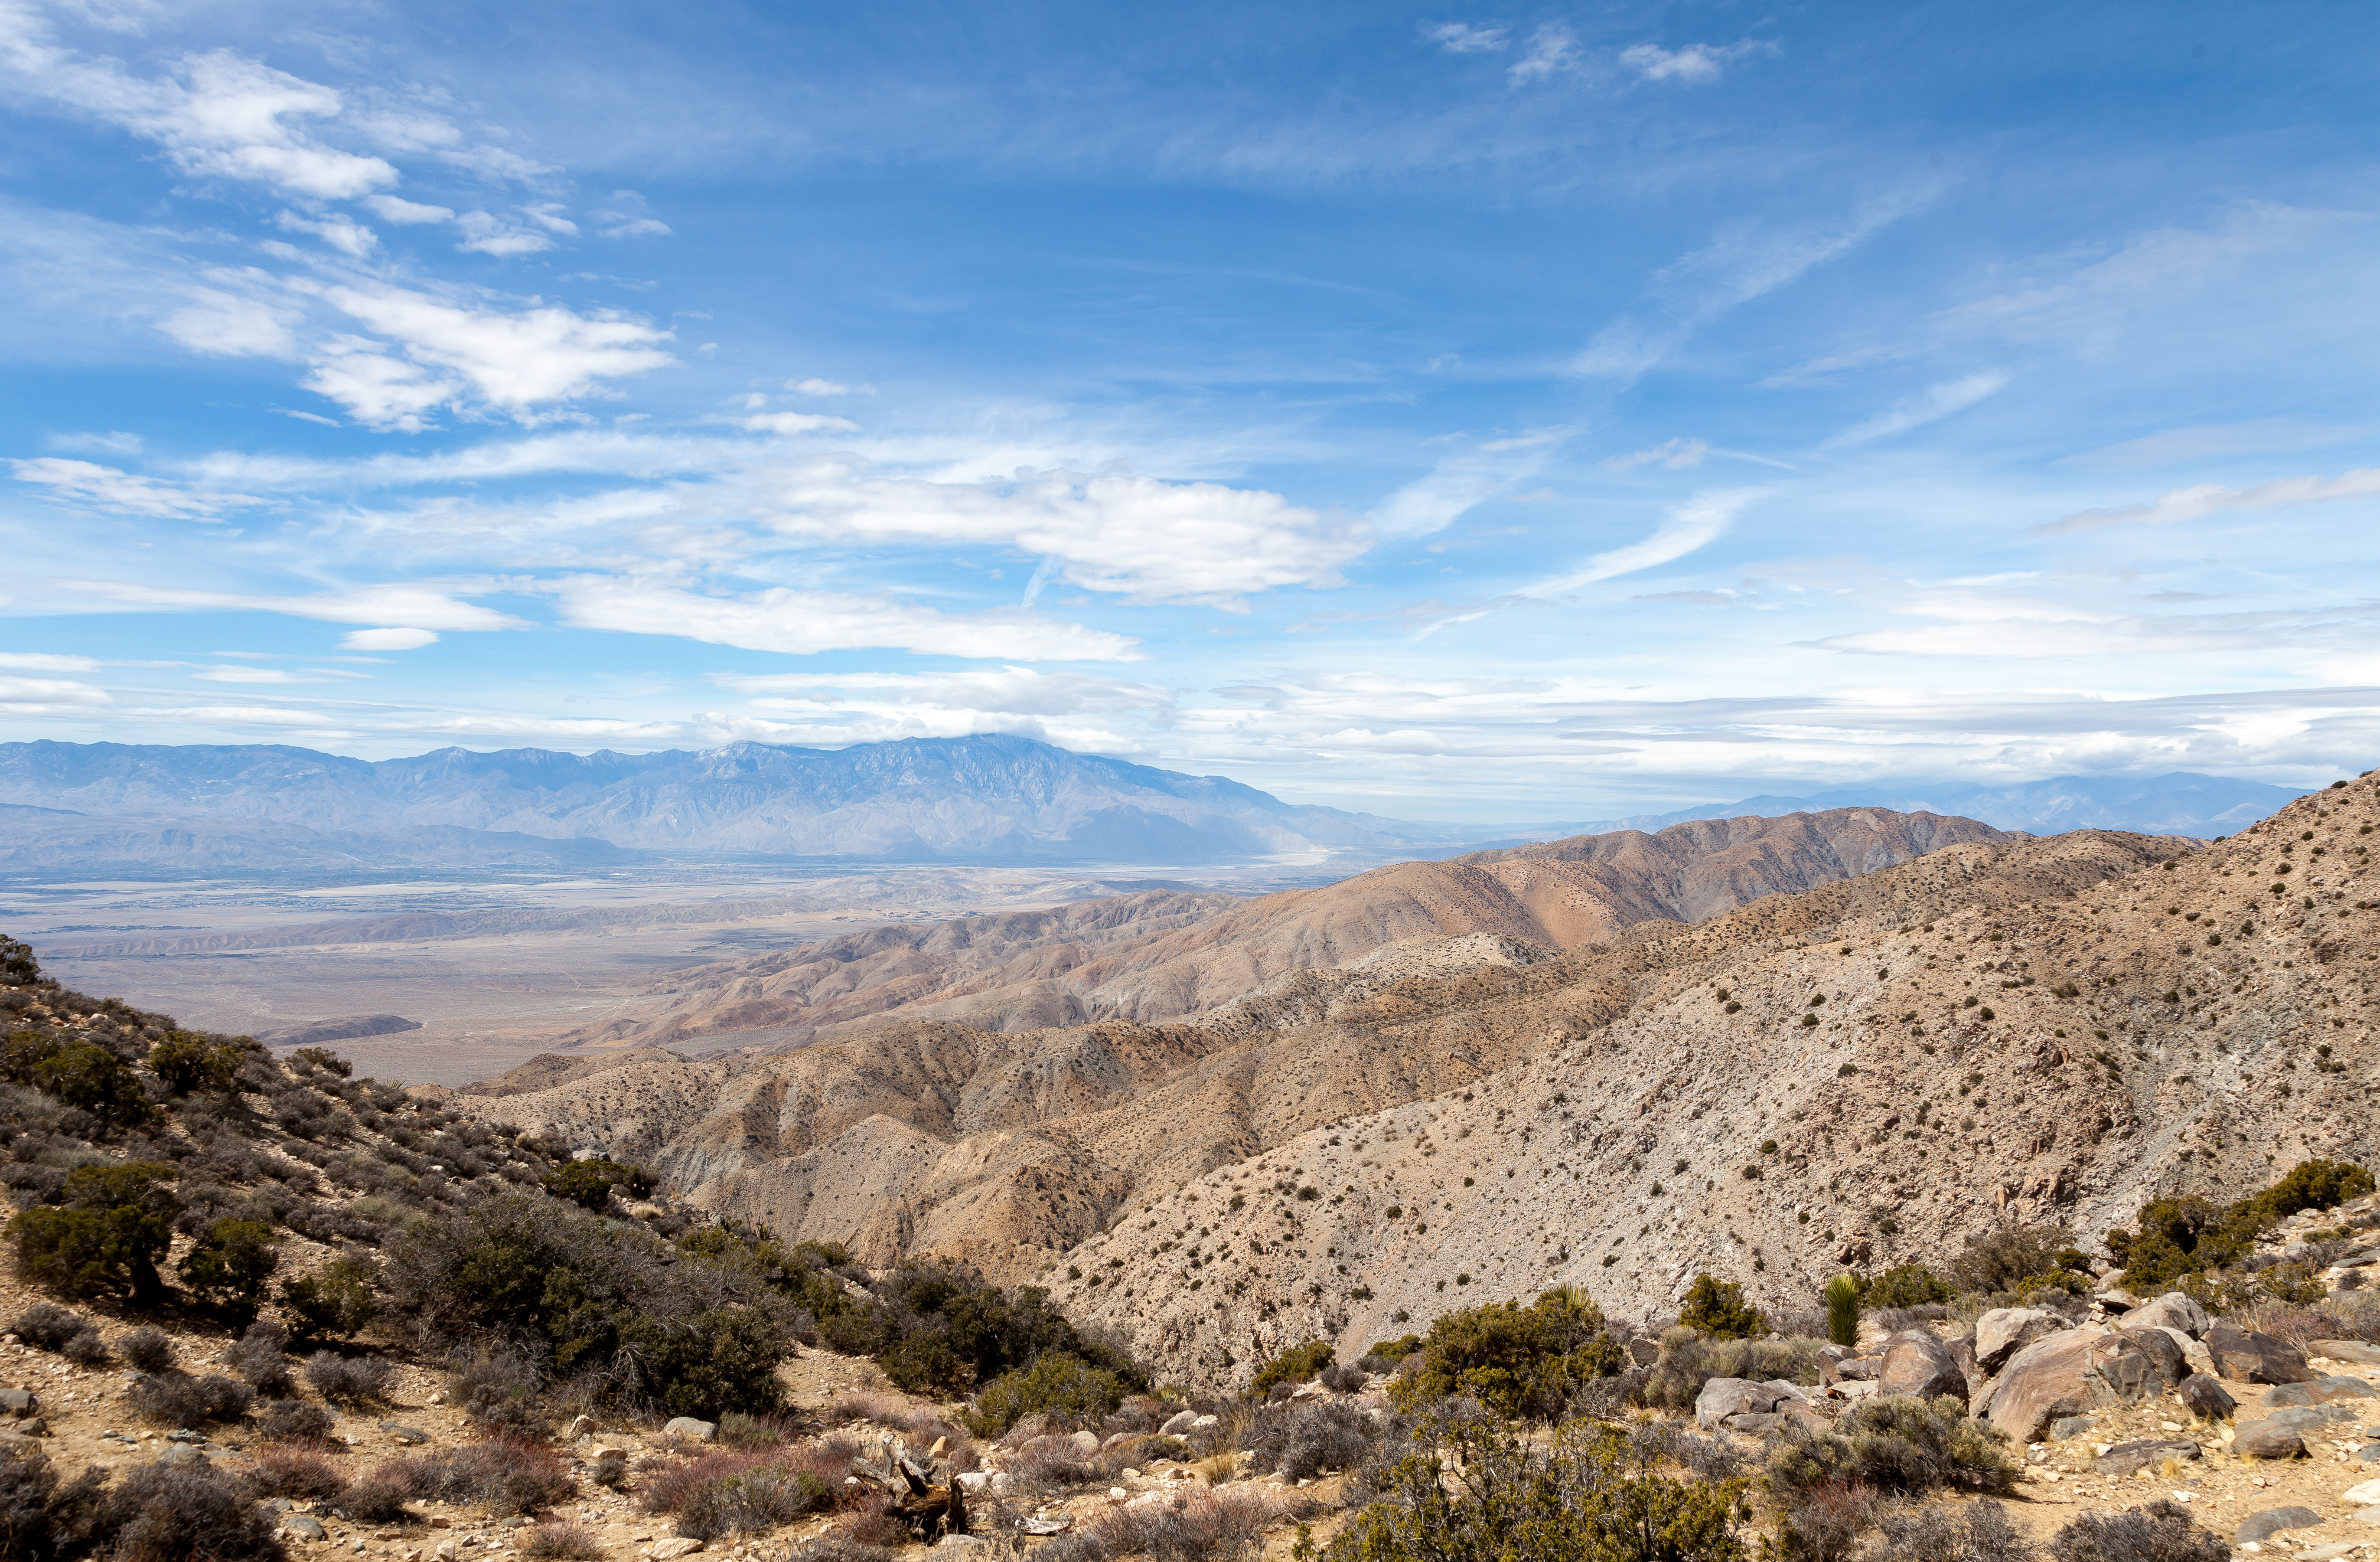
<point x="2008" y="1257"/>
<point x="229" y="1265"/>
<point x="938" y="1327"/>
<point x="1516" y="1361"/>
<point x="186" y="1064"/>
<point x="1587" y="1496"/>
<point x="325" y="1059"/>
<point x="116" y="1225"/>
<point x="1844" y="1310"/>
<point x="1717" y="1308"/>
<point x="1394" y="1349"/>
<point x="1901" y="1444"/>
<point x="1299" y="1363"/>
<point x="1905" y="1284"/>
<point x="1688" y="1361"/>
<point x="588" y="1183"/>
<point x="333" y="1303"/>
<point x="1056" y="1383"/>
<point x="79" y="1073"/>
<point x="2175" y="1235"/>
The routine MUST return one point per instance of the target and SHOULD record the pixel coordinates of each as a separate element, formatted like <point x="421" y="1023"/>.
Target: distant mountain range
<point x="2181" y="803"/>
<point x="181" y="811"/>
<point x="988" y="798"/>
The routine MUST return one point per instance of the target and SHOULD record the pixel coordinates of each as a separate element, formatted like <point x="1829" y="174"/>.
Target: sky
<point x="1452" y="413"/>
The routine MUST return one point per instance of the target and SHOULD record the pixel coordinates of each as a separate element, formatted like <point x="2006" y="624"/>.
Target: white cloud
<point x="1006" y="691"/>
<point x="41" y="662"/>
<point x="115" y="442"/>
<point x="1461" y="482"/>
<point x="217" y="321"/>
<point x="2212" y="498"/>
<point x="547" y="215"/>
<point x="640" y="227"/>
<point x="1928" y="406"/>
<point x="387" y="640"/>
<point x="31" y="696"/>
<point x="1695" y="64"/>
<point x="796" y="423"/>
<point x="1462" y="37"/>
<point x="492" y="235"/>
<point x="401" y="603"/>
<point x="1700" y="519"/>
<point x="1136" y="537"/>
<point x="395" y="209"/>
<point x="1732" y="271"/>
<point x="818" y="388"/>
<point x="1552" y="49"/>
<point x="513" y="362"/>
<point x="802" y="623"/>
<point x="106" y="488"/>
<point x="340" y="232"/>
<point x="1678" y="455"/>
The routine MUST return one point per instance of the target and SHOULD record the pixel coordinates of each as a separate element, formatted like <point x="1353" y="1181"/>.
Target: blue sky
<point x="1453" y="414"/>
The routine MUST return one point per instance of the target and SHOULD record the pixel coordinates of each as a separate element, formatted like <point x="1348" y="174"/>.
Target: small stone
<point x="2206" y="1399"/>
<point x="686" y="1426"/>
<point x="18" y="1402"/>
<point x="1087" y="1442"/>
<point x="1118" y="1493"/>
<point x="581" y="1426"/>
<point x="304" y="1526"/>
<point x="2268" y="1440"/>
<point x="409" y="1436"/>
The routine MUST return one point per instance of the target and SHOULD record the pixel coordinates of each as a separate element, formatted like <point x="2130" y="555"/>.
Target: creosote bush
<point x="2162" y="1532"/>
<point x="1517" y="1360"/>
<point x="148" y="1349"/>
<point x="2177" y="1235"/>
<point x="177" y="1399"/>
<point x="1057" y="1384"/>
<point x="349" y="1380"/>
<point x="1299" y="1363"/>
<point x="1717" y="1308"/>
<point x="1899" y="1444"/>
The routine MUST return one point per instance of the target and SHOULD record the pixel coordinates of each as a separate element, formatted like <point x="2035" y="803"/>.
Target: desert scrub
<point x="1587" y="1494"/>
<point x="1687" y="1361"/>
<point x="1208" y="1526"/>
<point x="2162" y="1532"/>
<point x="1299" y="1363"/>
<point x="1517" y="1360"/>
<point x="1899" y="1445"/>
<point x="2175" y="1235"/>
<point x="1057" y="1384"/>
<point x="1717" y="1308"/>
<point x="1302" y="1441"/>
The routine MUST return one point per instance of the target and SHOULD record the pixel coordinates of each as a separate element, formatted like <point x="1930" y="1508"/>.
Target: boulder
<point x="1178" y="1423"/>
<point x="182" y="1456"/>
<point x="1917" y="1362"/>
<point x="2158" y="1346"/>
<point x="2368" y="1492"/>
<point x="2273" y="1520"/>
<point x="2318" y="1391"/>
<point x="2004" y="1331"/>
<point x="18" y="1402"/>
<point x="2353" y="1351"/>
<point x="975" y="1482"/>
<point x="2067" y="1427"/>
<point x="2193" y="1351"/>
<point x="2267" y="1440"/>
<point x="1087" y="1443"/>
<point x="1859" y="1369"/>
<point x="2171" y="1310"/>
<point x="305" y="1526"/>
<point x="686" y="1426"/>
<point x="2206" y="1399"/>
<point x="2144" y="1454"/>
<point x="1723" y="1398"/>
<point x="2114" y="1299"/>
<point x="2245" y="1354"/>
<point x="2069" y="1374"/>
<point x="410" y="1435"/>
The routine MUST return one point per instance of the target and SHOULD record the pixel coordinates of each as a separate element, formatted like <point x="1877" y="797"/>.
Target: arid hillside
<point x="1160" y="954"/>
<point x="1008" y="1148"/>
<point x="2050" y="1030"/>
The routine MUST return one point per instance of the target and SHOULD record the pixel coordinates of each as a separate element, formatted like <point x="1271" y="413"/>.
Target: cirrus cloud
<point x="803" y="623"/>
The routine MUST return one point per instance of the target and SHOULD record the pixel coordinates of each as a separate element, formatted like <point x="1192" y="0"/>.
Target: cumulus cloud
<point x="1462" y="37"/>
<point x="395" y="209"/>
<point x="106" y="488"/>
<point x="429" y="607"/>
<point x="802" y="623"/>
<point x="387" y="640"/>
<point x="2212" y="498"/>
<point x="1695" y="64"/>
<point x="1699" y="520"/>
<point x="818" y="388"/>
<point x="232" y="324"/>
<point x="1552" y="50"/>
<point x="494" y="236"/>
<point x="454" y="354"/>
<point x="1928" y="406"/>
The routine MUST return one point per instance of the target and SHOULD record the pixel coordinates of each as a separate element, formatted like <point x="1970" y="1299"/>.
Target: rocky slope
<point x="2053" y="1029"/>
<point x="1154" y="955"/>
<point x="1007" y="1148"/>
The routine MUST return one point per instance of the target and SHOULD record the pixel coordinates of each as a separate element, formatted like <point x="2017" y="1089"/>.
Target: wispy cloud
<point x="1699" y="520"/>
<point x="1553" y="50"/>
<point x="1462" y="37"/>
<point x="107" y="488"/>
<point x="1459" y="481"/>
<point x="1693" y="64"/>
<point x="1930" y="404"/>
<point x="2212" y="498"/>
<point x="419" y="604"/>
<point x="804" y="623"/>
